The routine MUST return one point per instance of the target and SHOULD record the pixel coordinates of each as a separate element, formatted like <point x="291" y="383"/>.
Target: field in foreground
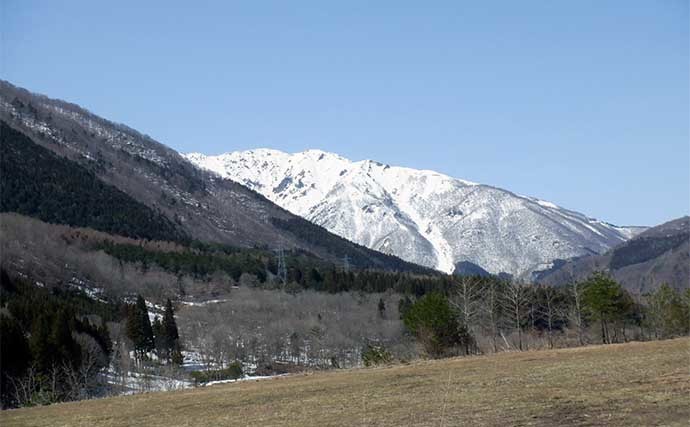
<point x="625" y="384"/>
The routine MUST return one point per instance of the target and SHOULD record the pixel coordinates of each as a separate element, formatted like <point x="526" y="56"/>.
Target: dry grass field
<point x="635" y="384"/>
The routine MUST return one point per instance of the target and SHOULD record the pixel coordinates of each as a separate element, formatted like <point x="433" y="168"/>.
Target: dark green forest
<point x="54" y="342"/>
<point x="40" y="184"/>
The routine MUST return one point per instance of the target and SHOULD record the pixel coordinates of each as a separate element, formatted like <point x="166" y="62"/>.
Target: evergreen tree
<point x="14" y="357"/>
<point x="139" y="328"/>
<point x="169" y="324"/>
<point x="170" y="332"/>
<point x="432" y="320"/>
<point x="382" y="308"/>
<point x="64" y="349"/>
<point x="39" y="343"/>
<point x="605" y="301"/>
<point x="159" y="338"/>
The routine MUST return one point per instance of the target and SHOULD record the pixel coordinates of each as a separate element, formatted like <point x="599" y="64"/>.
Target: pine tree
<point x="605" y="300"/>
<point x="160" y="338"/>
<point x="382" y="308"/>
<point x="39" y="343"/>
<point x="133" y="326"/>
<point x="64" y="349"/>
<point x="169" y="324"/>
<point x="14" y="357"/>
<point x="139" y="328"/>
<point x="170" y="332"/>
<point x="432" y="320"/>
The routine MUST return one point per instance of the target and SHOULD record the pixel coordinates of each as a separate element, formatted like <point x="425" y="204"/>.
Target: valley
<point x="322" y="264"/>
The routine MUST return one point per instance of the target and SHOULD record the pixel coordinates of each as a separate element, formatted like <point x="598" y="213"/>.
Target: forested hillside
<point x="660" y="255"/>
<point x="195" y="203"/>
<point x="38" y="183"/>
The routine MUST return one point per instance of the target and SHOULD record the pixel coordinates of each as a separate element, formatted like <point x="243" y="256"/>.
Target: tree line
<point x="482" y="316"/>
<point x="302" y="270"/>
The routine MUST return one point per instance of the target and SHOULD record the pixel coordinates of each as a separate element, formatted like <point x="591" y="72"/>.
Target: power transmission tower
<point x="346" y="264"/>
<point x="282" y="266"/>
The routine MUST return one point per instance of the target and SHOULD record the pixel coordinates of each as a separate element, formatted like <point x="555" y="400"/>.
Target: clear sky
<point x="583" y="103"/>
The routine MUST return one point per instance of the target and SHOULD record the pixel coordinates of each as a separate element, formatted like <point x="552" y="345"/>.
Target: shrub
<point x="432" y="320"/>
<point x="375" y="355"/>
<point x="232" y="372"/>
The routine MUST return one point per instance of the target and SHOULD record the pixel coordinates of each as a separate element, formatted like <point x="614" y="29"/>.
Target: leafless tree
<point x="491" y="307"/>
<point x="309" y="328"/>
<point x="550" y="309"/>
<point x="466" y="299"/>
<point x="25" y="388"/>
<point x="515" y="300"/>
<point x="576" y="290"/>
<point x="82" y="382"/>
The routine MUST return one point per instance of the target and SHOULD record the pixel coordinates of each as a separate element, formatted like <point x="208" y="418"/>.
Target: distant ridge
<point x="659" y="255"/>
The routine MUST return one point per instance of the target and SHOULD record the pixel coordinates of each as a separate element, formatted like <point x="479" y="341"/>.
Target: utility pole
<point x="282" y="267"/>
<point x="346" y="264"/>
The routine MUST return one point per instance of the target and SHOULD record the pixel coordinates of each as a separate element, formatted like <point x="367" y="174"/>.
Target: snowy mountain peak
<point x="419" y="215"/>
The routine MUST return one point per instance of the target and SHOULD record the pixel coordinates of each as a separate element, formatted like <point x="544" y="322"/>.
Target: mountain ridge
<point x="658" y="255"/>
<point x="205" y="207"/>
<point x="419" y="215"/>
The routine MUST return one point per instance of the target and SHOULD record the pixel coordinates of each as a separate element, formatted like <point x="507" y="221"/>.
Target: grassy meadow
<point x="616" y="385"/>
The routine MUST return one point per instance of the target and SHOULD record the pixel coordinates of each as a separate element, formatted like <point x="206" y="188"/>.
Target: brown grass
<point x="631" y="384"/>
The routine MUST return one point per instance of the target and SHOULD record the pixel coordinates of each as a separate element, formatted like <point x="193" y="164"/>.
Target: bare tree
<point x="550" y="308"/>
<point x="491" y="307"/>
<point x="515" y="300"/>
<point x="82" y="381"/>
<point x="467" y="301"/>
<point x="576" y="290"/>
<point x="25" y="388"/>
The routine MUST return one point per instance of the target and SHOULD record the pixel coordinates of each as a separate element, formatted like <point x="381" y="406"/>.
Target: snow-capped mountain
<point x="419" y="215"/>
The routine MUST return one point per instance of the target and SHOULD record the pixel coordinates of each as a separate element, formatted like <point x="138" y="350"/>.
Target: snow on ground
<point x="154" y="310"/>
<point x="90" y="291"/>
<point x="135" y="383"/>
<point x="138" y="382"/>
<point x="192" y="361"/>
<point x="246" y="378"/>
<point x="203" y="303"/>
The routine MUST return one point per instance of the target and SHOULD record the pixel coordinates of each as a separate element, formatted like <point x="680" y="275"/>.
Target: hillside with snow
<point x="419" y="215"/>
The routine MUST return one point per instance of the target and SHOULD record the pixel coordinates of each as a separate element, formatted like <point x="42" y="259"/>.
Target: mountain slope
<point x="421" y="216"/>
<point x="204" y="207"/>
<point x="38" y="183"/>
<point x="659" y="255"/>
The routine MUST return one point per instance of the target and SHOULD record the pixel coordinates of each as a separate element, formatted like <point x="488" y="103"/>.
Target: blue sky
<point x="583" y="103"/>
